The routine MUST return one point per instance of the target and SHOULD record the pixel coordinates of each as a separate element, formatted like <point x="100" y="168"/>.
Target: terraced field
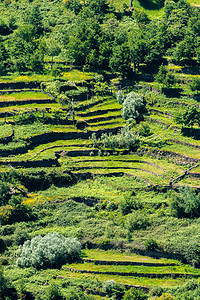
<point x="36" y="132"/>
<point x="162" y="157"/>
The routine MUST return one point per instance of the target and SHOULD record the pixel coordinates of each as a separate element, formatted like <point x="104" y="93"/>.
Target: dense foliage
<point x="94" y="35"/>
<point x="48" y="251"/>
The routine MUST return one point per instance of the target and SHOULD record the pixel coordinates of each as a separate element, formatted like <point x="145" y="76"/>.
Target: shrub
<point x="151" y="244"/>
<point x="134" y="294"/>
<point x="185" y="204"/>
<point x="54" y="293"/>
<point x="7" y="291"/>
<point x="113" y="289"/>
<point x="126" y="139"/>
<point x="52" y="250"/>
<point x="129" y="204"/>
<point x="144" y="130"/>
<point x="112" y="206"/>
<point x="137" y="221"/>
<point x="21" y="235"/>
<point x="120" y="97"/>
<point x="133" y="107"/>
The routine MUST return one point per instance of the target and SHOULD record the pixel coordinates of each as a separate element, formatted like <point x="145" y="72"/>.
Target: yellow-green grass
<point x="169" y="110"/>
<point x="108" y="114"/>
<point x="129" y="280"/>
<point x="151" y="12"/>
<point x="23" y="108"/>
<point x="75" y="75"/>
<point x="121" y="165"/>
<point x="183" y="150"/>
<point x="158" y="163"/>
<point x="161" y="118"/>
<point x="116" y="121"/>
<point x="110" y="255"/>
<point x="23" y="96"/>
<point x="99" y="189"/>
<point x="151" y="178"/>
<point x="192" y="181"/>
<point x="46" y="154"/>
<point x="135" y="269"/>
<point x="169" y="133"/>
<point x="196" y="170"/>
<point x="5" y="130"/>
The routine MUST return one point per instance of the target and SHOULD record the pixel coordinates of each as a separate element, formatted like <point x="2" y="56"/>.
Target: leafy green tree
<point x="154" y="38"/>
<point x="165" y="77"/>
<point x="137" y="45"/>
<point x="194" y="84"/>
<point x="189" y="117"/>
<point x="120" y="61"/>
<point x="33" y="16"/>
<point x="83" y="46"/>
<point x="53" y="48"/>
<point x="24" y="50"/>
<point x="3" y="59"/>
<point x="185" y="204"/>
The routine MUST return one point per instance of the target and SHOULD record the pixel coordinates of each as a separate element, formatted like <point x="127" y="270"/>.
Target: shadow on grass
<point x="152" y="4"/>
<point x="191" y="132"/>
<point x="172" y="92"/>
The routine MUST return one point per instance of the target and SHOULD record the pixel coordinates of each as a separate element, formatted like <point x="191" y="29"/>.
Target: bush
<point x="137" y="221"/>
<point x="133" y="107"/>
<point x="126" y="139"/>
<point x="151" y="244"/>
<point x="54" y="293"/>
<point x="52" y="250"/>
<point x="7" y="291"/>
<point x="120" y="97"/>
<point x="113" y="289"/>
<point x="21" y="235"/>
<point x="129" y="204"/>
<point x="185" y="204"/>
<point x="134" y="294"/>
<point x="112" y="206"/>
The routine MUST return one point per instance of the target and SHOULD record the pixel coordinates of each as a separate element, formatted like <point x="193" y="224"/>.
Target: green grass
<point x="5" y="130"/>
<point x="135" y="269"/>
<point x="75" y="75"/>
<point x="111" y="255"/>
<point x="23" y="96"/>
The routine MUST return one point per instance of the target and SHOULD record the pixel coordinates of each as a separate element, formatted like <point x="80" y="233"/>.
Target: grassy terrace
<point x="72" y="75"/>
<point x="135" y="269"/>
<point x="23" y="96"/>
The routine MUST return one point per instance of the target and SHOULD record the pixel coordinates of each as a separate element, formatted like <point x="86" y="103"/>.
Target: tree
<point x="194" y="84"/>
<point x="185" y="204"/>
<point x="49" y="251"/>
<point x="133" y="107"/>
<point x="3" y="58"/>
<point x="120" y="60"/>
<point x="189" y="117"/>
<point x="165" y="77"/>
<point x="53" y="49"/>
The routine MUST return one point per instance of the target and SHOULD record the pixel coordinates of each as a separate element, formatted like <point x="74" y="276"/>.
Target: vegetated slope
<point x="72" y="163"/>
<point x="127" y="207"/>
